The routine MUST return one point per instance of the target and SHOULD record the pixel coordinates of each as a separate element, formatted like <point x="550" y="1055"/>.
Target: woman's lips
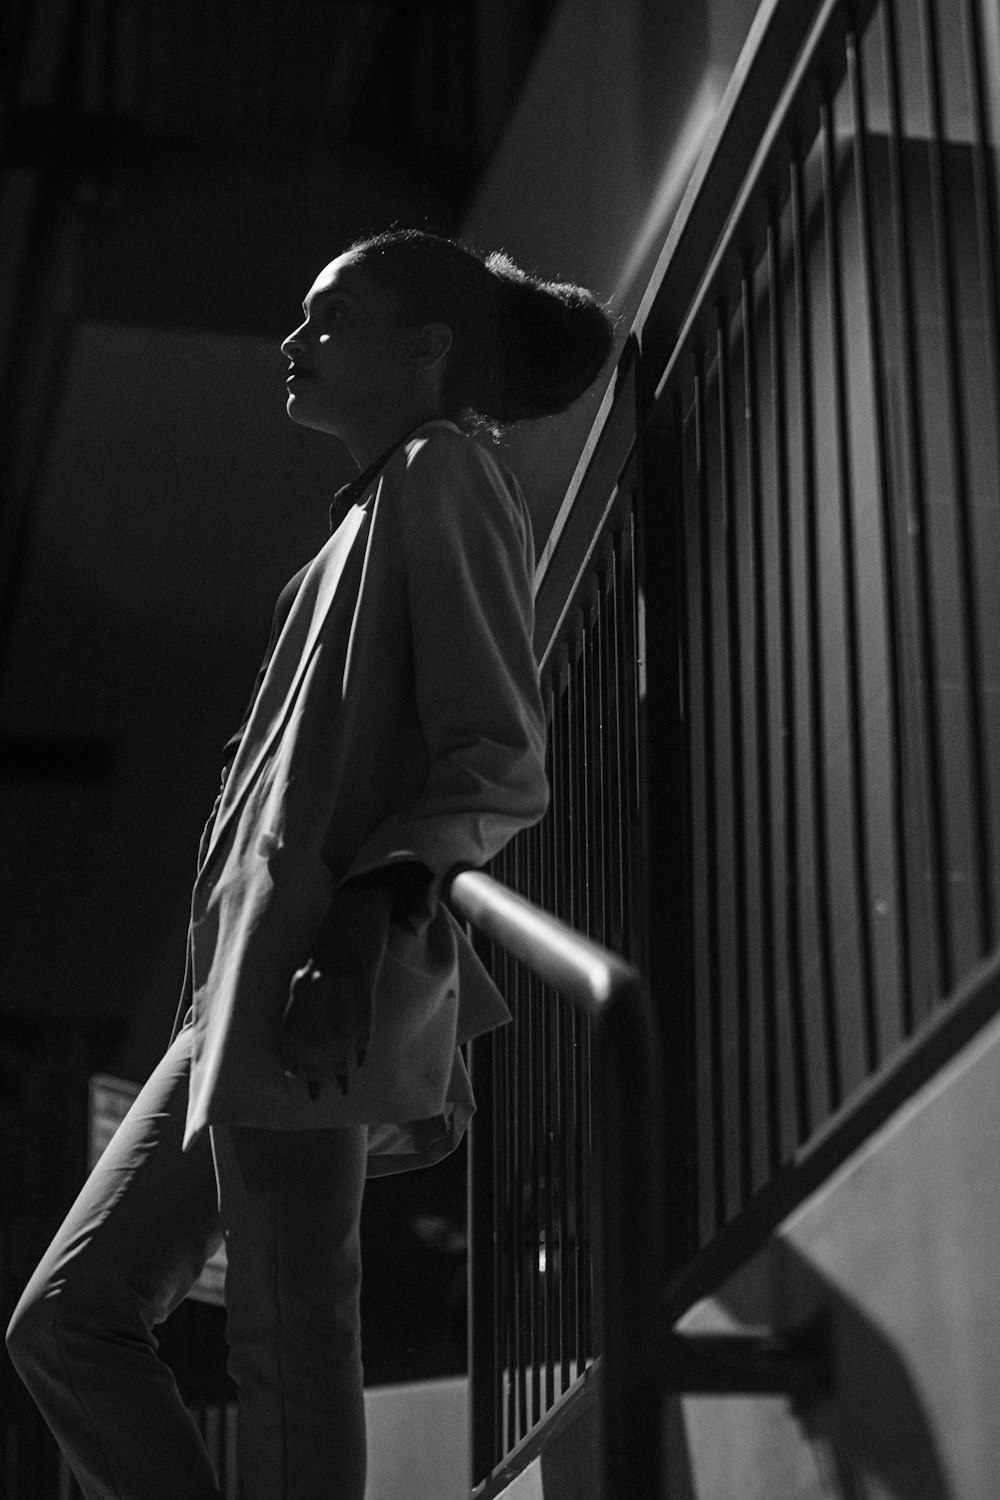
<point x="297" y="375"/>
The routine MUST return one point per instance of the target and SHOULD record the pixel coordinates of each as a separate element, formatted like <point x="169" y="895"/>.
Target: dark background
<point x="174" y="175"/>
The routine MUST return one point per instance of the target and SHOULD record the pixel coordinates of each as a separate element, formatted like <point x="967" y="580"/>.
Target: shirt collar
<point x="350" y="493"/>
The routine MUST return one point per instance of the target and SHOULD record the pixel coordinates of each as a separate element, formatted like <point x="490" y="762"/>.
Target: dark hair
<point x="521" y="348"/>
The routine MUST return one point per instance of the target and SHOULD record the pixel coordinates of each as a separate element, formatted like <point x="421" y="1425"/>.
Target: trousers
<point x="288" y="1205"/>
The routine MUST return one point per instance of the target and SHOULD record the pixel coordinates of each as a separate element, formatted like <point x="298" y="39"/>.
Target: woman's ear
<point x="429" y="345"/>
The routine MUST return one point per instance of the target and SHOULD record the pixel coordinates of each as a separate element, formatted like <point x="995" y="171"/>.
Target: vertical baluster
<point x="985" y="91"/>
<point x="586" y="787"/>
<point x="739" y="1139"/>
<point x="794" y="985"/>
<point x="566" y="1071"/>
<point x="517" y="1123"/>
<point x="563" y="1019"/>
<point x="943" y="217"/>
<point x="485" y="1291"/>
<point x="584" y="1293"/>
<point x="894" y="620"/>
<point x="694" y="793"/>
<point x="985" y="101"/>
<point x="600" y="766"/>
<point x="818" y="808"/>
<point x="710" y="1013"/>
<point x="936" y="932"/>
<point x="616" y="708"/>
<point x="592" y="821"/>
<point x="549" y="1066"/>
<point x="572" y="1017"/>
<point x="760" y="677"/>
<point x="550" y="1125"/>
<point x="581" y="919"/>
<point x="529" y="1165"/>
<point x="630" y="615"/>
<point x="840" y="1038"/>
<point x="625" y="727"/>
<point x="499" y="1126"/>
<point x="508" y="1237"/>
<point x="503" y="1129"/>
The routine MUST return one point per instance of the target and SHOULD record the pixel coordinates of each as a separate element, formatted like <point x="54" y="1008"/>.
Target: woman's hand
<point x="329" y="1015"/>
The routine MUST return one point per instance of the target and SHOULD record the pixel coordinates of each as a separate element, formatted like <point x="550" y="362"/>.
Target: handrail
<point x="642" y="1356"/>
<point x="615" y="997"/>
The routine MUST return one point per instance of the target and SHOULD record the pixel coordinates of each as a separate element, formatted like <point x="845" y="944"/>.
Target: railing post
<point x="483" y="1354"/>
<point x="630" y="1242"/>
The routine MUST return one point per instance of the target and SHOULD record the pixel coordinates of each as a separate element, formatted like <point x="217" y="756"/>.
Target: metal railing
<point x="612" y="996"/>
<point x="640" y="1355"/>
<point x="797" y="478"/>
<point x="831" y="409"/>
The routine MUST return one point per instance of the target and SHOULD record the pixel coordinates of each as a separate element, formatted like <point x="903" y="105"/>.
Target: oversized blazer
<point x="398" y="720"/>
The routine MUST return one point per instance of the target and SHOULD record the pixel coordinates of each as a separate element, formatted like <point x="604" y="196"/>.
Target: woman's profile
<point x="394" y="733"/>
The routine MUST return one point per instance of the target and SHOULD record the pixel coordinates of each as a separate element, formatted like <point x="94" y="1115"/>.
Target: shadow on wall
<point x="872" y="1437"/>
<point x="591" y="169"/>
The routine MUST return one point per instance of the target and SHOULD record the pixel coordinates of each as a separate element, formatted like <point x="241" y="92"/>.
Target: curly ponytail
<point x="522" y="348"/>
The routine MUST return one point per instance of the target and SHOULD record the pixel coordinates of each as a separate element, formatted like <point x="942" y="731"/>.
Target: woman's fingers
<point x="328" y="1019"/>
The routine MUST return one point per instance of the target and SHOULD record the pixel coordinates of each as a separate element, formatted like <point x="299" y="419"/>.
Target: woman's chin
<point x="306" y="416"/>
<point x="298" y="410"/>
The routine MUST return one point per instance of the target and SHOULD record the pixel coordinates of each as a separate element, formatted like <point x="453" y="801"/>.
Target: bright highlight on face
<point x="345" y="354"/>
<point x="356" y="369"/>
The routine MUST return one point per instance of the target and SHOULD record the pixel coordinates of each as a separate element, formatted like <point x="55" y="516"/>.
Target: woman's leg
<point x="290" y="1204"/>
<point x="130" y="1249"/>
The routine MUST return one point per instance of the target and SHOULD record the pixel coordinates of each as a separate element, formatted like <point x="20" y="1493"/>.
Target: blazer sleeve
<point x="467" y="557"/>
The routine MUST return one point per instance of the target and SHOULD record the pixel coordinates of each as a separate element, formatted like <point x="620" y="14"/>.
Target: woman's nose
<point x="293" y="344"/>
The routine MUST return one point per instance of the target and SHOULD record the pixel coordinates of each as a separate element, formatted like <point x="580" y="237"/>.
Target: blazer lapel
<point x="285" y="671"/>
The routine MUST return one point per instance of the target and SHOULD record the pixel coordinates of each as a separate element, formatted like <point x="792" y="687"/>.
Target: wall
<point x="900" y="1249"/>
<point x="591" y="169"/>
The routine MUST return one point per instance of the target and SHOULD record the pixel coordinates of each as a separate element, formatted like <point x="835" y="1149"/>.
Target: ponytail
<point x="521" y="347"/>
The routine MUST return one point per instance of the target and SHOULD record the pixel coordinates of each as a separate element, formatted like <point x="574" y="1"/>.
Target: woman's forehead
<point x="346" y="276"/>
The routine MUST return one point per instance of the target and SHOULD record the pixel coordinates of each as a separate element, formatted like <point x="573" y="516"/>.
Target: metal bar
<point x="636" y="689"/>
<point x="742" y="1170"/>
<point x="984" y="167"/>
<point x="693" y="791"/>
<point x="719" y="245"/>
<point x="760" y="678"/>
<point x="785" y="36"/>
<point x="936" y="932"/>
<point x="709" y="1004"/>
<point x="516" y="1128"/>
<point x="533" y="1143"/>
<point x="942" y="217"/>
<point x="567" y="1263"/>
<point x="508" y="1265"/>
<point x="848" y="550"/>
<point x="551" y="1111"/>
<point x="550" y="1123"/>
<point x="638" y="1353"/>
<point x="578" y="909"/>
<point x="893" y="619"/>
<point x="813" y="566"/>
<point x="602" y="986"/>
<point x="602" y="914"/>
<point x="617" y="778"/>
<point x="484" y="1289"/>
<point x="500" y="1277"/>
<point x="789" y="724"/>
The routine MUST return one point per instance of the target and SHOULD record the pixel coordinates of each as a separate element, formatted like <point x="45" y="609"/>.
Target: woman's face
<point x="349" y="356"/>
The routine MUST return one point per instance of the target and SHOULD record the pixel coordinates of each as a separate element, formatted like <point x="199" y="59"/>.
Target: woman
<point x="395" y="732"/>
